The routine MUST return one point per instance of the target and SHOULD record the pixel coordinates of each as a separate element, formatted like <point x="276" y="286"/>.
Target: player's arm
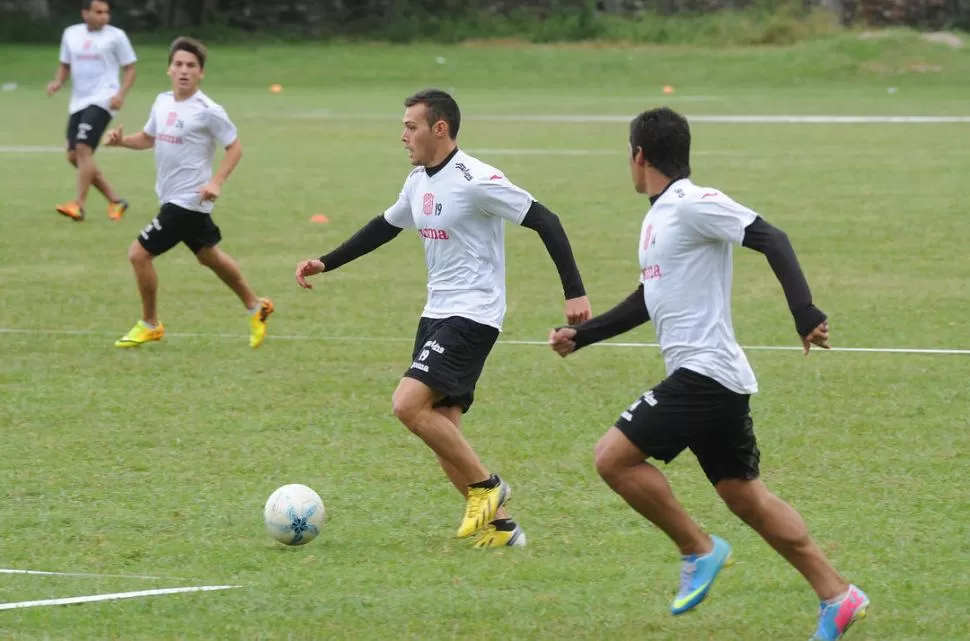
<point x="810" y="321"/>
<point x="127" y="82"/>
<point x="630" y="313"/>
<point x="60" y="77"/>
<point x="138" y="142"/>
<point x="550" y="230"/>
<point x="375" y="233"/>
<point x="63" y="68"/>
<point x="378" y="231"/>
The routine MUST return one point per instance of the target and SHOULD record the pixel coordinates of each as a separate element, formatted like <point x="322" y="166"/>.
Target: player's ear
<point x="440" y="129"/>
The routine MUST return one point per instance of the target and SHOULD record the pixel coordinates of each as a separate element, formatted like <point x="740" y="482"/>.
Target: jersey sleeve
<point x="399" y="214"/>
<point x="65" y="56"/>
<point x="124" y="51"/>
<point x="496" y="195"/>
<point x="149" y="127"/>
<point x="221" y="126"/>
<point x="715" y="216"/>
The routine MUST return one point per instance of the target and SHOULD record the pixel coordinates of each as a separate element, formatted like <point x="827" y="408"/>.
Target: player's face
<point x="185" y="72"/>
<point x="97" y="16"/>
<point x="638" y="170"/>
<point x="419" y="137"/>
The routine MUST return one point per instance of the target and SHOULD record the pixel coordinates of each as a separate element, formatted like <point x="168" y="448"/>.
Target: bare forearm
<point x="62" y="73"/>
<point x="128" y="81"/>
<point x="138" y="141"/>
<point x="229" y="162"/>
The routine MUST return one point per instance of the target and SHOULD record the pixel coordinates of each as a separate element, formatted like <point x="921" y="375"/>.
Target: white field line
<point x="113" y="596"/>
<point x="781" y="119"/>
<point x="90" y="575"/>
<point x="395" y="339"/>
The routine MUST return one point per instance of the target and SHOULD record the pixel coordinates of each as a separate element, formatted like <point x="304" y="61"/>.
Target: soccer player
<point x="93" y="55"/>
<point x="685" y="253"/>
<point x="184" y="128"/>
<point x="458" y="206"/>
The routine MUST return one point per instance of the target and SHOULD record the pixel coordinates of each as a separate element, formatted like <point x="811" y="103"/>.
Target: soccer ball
<point x="294" y="514"/>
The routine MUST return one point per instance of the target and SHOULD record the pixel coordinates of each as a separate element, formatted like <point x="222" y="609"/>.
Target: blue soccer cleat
<point x="697" y="575"/>
<point x="835" y="618"/>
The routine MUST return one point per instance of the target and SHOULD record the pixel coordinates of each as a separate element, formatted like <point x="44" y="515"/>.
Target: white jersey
<point x="186" y="134"/>
<point x="460" y="215"/>
<point x="96" y="59"/>
<point x="686" y="270"/>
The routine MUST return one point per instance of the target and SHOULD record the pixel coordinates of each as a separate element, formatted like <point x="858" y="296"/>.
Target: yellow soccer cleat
<point x="141" y="333"/>
<point x="492" y="537"/>
<point x="482" y="504"/>
<point x="117" y="209"/>
<point x="257" y="323"/>
<point x="71" y="210"/>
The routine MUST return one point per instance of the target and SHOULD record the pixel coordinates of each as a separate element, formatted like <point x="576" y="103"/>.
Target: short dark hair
<point x="86" y="4"/>
<point x="664" y="136"/>
<point x="441" y="106"/>
<point x="190" y="45"/>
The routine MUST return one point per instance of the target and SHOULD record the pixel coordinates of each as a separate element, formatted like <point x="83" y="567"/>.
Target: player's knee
<point x="207" y="257"/>
<point x="137" y="254"/>
<point x="745" y="498"/>
<point x="605" y="459"/>
<point x="407" y="409"/>
<point x="72" y="157"/>
<point x="83" y="152"/>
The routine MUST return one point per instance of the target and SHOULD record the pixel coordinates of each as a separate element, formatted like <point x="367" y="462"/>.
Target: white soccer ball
<point x="294" y="514"/>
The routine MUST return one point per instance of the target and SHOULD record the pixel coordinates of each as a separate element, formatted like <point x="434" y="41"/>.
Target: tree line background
<point x="403" y="19"/>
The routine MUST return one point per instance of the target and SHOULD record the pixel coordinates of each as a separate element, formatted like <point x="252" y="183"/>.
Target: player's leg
<point x="101" y="184"/>
<point x="71" y="209"/>
<point x="503" y="530"/>
<point x="731" y="463"/>
<point x="447" y="360"/>
<point x="155" y="239"/>
<point x="624" y="468"/>
<point x="661" y="424"/>
<point x="203" y="241"/>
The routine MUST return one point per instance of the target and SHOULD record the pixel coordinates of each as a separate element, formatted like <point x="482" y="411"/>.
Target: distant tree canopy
<point x="313" y="18"/>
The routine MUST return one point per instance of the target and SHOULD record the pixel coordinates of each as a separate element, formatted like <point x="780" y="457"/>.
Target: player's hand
<point x="306" y="268"/>
<point x="561" y="340"/>
<point x="819" y="337"/>
<point x="115" y="136"/>
<point x="209" y="192"/>
<point x="578" y="310"/>
<point x="53" y="87"/>
<point x="117" y="102"/>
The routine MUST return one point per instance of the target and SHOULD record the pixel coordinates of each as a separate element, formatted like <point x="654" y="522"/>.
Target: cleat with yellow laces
<point x="141" y="333"/>
<point x="117" y="209"/>
<point x="72" y="210"/>
<point x="501" y="533"/>
<point x="484" y="500"/>
<point x="257" y="322"/>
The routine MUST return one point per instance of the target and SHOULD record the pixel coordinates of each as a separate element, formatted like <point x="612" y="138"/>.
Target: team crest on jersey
<point x="428" y="204"/>
<point x="172" y="118"/>
<point x="87" y="44"/>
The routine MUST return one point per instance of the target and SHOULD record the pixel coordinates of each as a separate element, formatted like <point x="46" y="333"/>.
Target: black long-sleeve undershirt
<point x="774" y="244"/>
<point x="550" y="230"/>
<point x="368" y="238"/>
<point x="631" y="312"/>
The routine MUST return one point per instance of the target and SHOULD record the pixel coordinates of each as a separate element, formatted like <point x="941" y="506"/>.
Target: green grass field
<point x="157" y="461"/>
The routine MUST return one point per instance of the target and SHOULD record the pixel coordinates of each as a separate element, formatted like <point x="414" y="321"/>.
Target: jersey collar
<point x="431" y="171"/>
<point x="656" y="197"/>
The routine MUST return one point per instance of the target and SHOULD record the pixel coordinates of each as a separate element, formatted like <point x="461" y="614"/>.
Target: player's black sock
<point x="487" y="484"/>
<point x="504" y="525"/>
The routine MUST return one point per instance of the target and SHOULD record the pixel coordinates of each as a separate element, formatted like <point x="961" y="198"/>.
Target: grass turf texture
<point x="157" y="461"/>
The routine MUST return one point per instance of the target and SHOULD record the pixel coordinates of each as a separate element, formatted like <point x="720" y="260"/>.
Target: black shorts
<point x="689" y="410"/>
<point x="174" y="225"/>
<point x="87" y="126"/>
<point x="449" y="354"/>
